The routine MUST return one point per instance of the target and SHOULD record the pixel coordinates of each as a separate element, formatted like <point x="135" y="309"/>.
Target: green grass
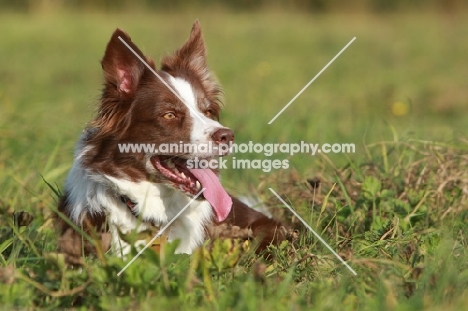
<point x="396" y="209"/>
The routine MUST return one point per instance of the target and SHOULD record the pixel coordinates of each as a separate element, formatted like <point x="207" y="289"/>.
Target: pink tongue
<point x="214" y="192"/>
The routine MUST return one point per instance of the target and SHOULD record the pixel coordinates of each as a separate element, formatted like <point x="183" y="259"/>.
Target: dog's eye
<point x="211" y="114"/>
<point x="169" y="115"/>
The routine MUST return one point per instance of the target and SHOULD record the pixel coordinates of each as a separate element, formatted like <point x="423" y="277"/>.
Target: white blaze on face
<point x="201" y="132"/>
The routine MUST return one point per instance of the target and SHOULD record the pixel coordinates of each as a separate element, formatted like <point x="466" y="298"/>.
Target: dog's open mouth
<point x="175" y="169"/>
<point x="192" y="180"/>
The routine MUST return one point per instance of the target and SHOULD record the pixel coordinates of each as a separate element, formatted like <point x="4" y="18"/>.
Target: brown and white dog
<point x="113" y="193"/>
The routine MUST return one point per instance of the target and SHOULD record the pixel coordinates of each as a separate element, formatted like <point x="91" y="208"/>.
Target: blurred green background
<point x="404" y="78"/>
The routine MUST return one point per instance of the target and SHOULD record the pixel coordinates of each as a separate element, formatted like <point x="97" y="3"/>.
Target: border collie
<point x="109" y="194"/>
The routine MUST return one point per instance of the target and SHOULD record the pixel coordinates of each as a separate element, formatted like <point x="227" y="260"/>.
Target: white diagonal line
<point x="310" y="82"/>
<point x="162" y="80"/>
<point x="160" y="232"/>
<point x="312" y="230"/>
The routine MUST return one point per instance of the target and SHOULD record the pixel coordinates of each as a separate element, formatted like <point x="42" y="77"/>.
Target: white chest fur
<point x="90" y="192"/>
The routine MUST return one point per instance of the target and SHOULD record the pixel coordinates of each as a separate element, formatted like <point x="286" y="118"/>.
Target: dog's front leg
<point x="246" y="223"/>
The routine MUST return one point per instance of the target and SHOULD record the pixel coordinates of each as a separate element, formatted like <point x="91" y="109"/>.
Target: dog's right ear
<point x="122" y="68"/>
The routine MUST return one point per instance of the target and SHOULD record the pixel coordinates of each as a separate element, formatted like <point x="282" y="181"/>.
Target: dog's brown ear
<point x="122" y="68"/>
<point x="191" y="56"/>
<point x="190" y="61"/>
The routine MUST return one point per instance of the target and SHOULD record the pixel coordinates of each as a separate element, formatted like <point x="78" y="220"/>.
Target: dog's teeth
<point x="183" y="175"/>
<point x="170" y="164"/>
<point x="198" y="185"/>
<point x="176" y="170"/>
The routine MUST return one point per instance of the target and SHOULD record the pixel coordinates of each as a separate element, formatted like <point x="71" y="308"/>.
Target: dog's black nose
<point x="223" y="136"/>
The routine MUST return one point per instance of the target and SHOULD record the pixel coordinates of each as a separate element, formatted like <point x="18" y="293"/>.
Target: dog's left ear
<point x="191" y="56"/>
<point x="122" y="68"/>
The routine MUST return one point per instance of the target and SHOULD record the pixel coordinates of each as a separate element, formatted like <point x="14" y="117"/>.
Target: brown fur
<point x="129" y="113"/>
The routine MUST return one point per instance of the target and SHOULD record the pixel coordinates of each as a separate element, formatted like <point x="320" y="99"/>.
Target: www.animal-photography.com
<point x="233" y="155"/>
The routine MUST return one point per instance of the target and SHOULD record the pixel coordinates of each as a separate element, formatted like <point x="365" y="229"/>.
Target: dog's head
<point x="151" y="120"/>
